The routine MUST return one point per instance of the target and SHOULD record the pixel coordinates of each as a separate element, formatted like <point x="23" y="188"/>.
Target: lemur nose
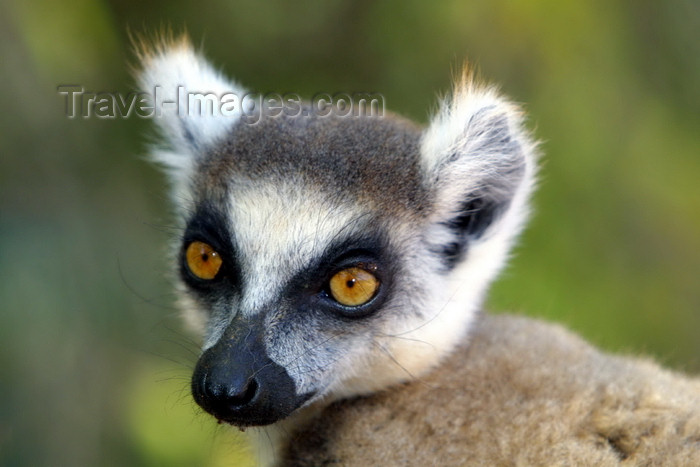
<point x="224" y="399"/>
<point x="237" y="382"/>
<point x="226" y="382"/>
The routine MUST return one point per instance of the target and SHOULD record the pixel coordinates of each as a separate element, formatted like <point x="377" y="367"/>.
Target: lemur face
<point x="323" y="257"/>
<point x="297" y="253"/>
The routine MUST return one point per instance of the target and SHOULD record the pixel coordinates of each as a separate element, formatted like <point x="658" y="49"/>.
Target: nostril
<point x="240" y="397"/>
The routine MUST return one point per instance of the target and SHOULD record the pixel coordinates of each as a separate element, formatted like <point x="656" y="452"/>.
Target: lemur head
<point x="323" y="257"/>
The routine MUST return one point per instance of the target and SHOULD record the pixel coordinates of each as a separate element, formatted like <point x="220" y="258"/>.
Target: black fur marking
<point x="187" y="133"/>
<point x="309" y="288"/>
<point x="483" y="208"/>
<point x="208" y="225"/>
<point x="475" y="216"/>
<point x="237" y="382"/>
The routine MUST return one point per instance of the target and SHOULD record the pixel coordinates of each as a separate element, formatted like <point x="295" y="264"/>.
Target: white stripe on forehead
<point x="280" y="230"/>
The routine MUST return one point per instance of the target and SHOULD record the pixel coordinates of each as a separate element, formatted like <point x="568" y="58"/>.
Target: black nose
<point x="224" y="397"/>
<point x="238" y="383"/>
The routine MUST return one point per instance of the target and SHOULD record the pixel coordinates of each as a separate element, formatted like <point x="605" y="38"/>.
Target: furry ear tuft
<point x="480" y="162"/>
<point x="171" y="72"/>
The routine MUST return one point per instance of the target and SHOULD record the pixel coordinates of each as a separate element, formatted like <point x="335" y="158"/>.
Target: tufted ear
<point x="194" y="105"/>
<point x="479" y="162"/>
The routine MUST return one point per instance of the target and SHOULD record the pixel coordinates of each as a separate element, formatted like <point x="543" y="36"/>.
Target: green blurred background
<point x="94" y="364"/>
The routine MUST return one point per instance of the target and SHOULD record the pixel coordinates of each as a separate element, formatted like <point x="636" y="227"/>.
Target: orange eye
<point x="353" y="286"/>
<point x="203" y="260"/>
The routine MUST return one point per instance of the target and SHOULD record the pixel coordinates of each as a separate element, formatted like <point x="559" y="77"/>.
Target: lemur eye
<point x="203" y="260"/>
<point x="353" y="286"/>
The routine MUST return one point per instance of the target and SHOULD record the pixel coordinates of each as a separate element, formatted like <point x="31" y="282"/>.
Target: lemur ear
<point x="171" y="72"/>
<point x="480" y="163"/>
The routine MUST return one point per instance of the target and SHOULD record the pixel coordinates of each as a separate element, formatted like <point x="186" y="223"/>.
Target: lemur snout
<point x="225" y="398"/>
<point x="237" y="383"/>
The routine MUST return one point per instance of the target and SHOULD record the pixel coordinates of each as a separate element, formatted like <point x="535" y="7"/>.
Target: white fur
<point x="279" y="230"/>
<point x="448" y="128"/>
<point x="169" y="73"/>
<point x="459" y="128"/>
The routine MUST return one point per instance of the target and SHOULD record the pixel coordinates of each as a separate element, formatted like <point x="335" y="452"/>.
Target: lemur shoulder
<point x="335" y="267"/>
<point x="516" y="392"/>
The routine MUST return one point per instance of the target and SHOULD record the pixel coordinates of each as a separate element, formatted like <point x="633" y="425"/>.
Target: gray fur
<point x="341" y="157"/>
<point x="518" y="392"/>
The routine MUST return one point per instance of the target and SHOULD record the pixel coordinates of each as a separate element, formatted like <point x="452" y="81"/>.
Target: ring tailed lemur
<point x="325" y="257"/>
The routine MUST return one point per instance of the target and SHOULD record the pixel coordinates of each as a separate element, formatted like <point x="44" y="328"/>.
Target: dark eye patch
<point x="310" y="286"/>
<point x="208" y="225"/>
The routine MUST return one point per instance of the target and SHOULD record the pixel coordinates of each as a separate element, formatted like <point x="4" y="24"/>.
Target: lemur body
<point x="516" y="392"/>
<point x="329" y="257"/>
